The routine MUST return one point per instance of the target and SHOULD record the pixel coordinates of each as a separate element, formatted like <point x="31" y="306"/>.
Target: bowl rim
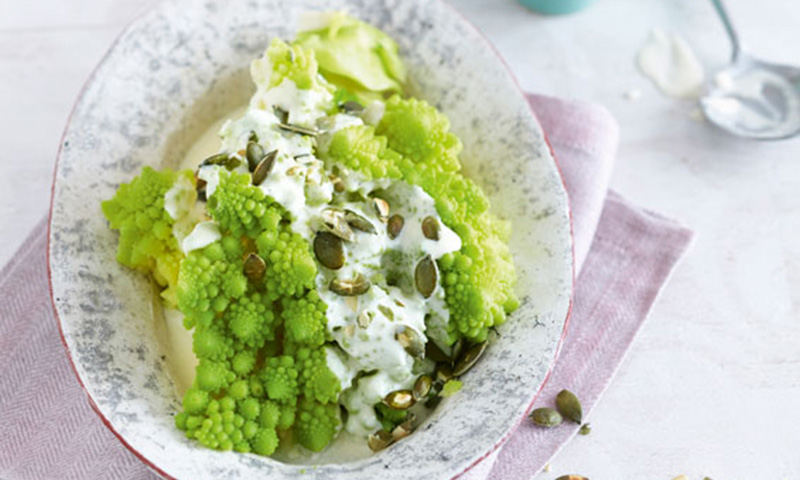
<point x="90" y="79"/>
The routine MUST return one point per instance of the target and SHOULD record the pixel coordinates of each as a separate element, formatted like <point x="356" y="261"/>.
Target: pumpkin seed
<point x="335" y="222"/>
<point x="569" y="406"/>
<point x="572" y="477"/>
<point x="254" y="267"/>
<point x="435" y="353"/>
<point x="253" y="137"/>
<point x="402" y="431"/>
<point x="283" y="115"/>
<point x="232" y="163"/>
<point x="358" y="222"/>
<point x="338" y="184"/>
<point x="351" y="107"/>
<point x="546" y="417"/>
<point x="201" y="195"/>
<point x="381" y="207"/>
<point x="422" y="387"/>
<point x="395" y="225"/>
<point x="311" y="132"/>
<point x="218" y="159"/>
<point x="292" y="171"/>
<point x="433" y="401"/>
<point x="399" y="399"/>
<point x="430" y="228"/>
<point x="443" y="373"/>
<point x="254" y="154"/>
<point x="455" y="353"/>
<point x="469" y="358"/>
<point x="379" y="440"/>
<point x="426" y="277"/>
<point x="585" y="429"/>
<point x="329" y="250"/>
<point x="364" y="319"/>
<point x="411" y="341"/>
<point x="264" y="167"/>
<point x="387" y="312"/>
<point x="350" y="288"/>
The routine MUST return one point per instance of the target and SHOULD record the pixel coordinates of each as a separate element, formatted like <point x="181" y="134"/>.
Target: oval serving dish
<point x="182" y="66"/>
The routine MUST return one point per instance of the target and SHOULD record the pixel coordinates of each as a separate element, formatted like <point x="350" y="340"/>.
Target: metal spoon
<point x="752" y="98"/>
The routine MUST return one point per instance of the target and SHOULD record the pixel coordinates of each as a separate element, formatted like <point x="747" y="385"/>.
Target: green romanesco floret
<point x="291" y="269"/>
<point x="358" y="148"/>
<point x="242" y="208"/>
<point x="295" y="63"/>
<point x="209" y="279"/>
<point x="419" y="132"/>
<point x="316" y="424"/>
<point x="251" y="320"/>
<point x="316" y="379"/>
<point x="304" y="319"/>
<point x="280" y="377"/>
<point x="146" y="241"/>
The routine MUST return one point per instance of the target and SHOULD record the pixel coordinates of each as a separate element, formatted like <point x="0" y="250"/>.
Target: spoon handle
<point x="729" y="28"/>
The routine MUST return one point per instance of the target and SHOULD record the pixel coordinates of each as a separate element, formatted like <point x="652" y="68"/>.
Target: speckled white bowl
<point x="169" y="76"/>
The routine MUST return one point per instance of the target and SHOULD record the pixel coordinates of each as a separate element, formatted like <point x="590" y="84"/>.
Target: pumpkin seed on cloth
<point x="546" y="417"/>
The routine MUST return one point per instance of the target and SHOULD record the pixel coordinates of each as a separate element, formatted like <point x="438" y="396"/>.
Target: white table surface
<point x="712" y="384"/>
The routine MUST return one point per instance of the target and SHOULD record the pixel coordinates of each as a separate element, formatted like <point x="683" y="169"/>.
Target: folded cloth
<point x="47" y="427"/>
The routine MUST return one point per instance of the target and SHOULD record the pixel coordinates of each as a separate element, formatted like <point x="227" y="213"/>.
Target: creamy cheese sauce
<point x="301" y="184"/>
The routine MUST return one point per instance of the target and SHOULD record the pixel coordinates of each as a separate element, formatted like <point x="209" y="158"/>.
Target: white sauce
<point x="755" y="103"/>
<point x="203" y="235"/>
<point x="181" y="359"/>
<point x="668" y="60"/>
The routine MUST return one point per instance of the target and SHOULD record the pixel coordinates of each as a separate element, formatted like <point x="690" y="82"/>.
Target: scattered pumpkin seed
<point x="232" y="163"/>
<point x="254" y="154"/>
<point x="311" y="132"/>
<point x="264" y="167"/>
<point x="585" y="429"/>
<point x="422" y="387"/>
<point x="399" y="399"/>
<point x="569" y="406"/>
<point x="253" y="137"/>
<point x="351" y="287"/>
<point x="358" y="222"/>
<point x="430" y="228"/>
<point x="443" y="372"/>
<point x="283" y="115"/>
<point x="402" y="431"/>
<point x="433" y="401"/>
<point x="381" y="207"/>
<point x="395" y="225"/>
<point x="411" y="341"/>
<point x="329" y="250"/>
<point x="351" y="107"/>
<point x="426" y="277"/>
<point x="201" y="195"/>
<point x="218" y="159"/>
<point x="572" y="477"/>
<point x="455" y="353"/>
<point x="435" y="353"/>
<point x="469" y="358"/>
<point x="352" y="302"/>
<point x="379" y="440"/>
<point x="364" y="319"/>
<point x="338" y="184"/>
<point x="335" y="222"/>
<point x="546" y="417"/>
<point x="254" y="267"/>
<point x="387" y="312"/>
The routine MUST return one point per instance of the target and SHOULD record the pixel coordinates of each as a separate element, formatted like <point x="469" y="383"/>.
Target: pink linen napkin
<point x="47" y="427"/>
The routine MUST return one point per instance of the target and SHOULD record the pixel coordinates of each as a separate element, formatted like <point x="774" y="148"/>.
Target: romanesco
<point x="290" y="265"/>
<point x="280" y="379"/>
<point x="146" y="241"/>
<point x="316" y="424"/>
<point x="296" y="63"/>
<point x="304" y="319"/>
<point x="240" y="207"/>
<point x="358" y="148"/>
<point x="317" y="381"/>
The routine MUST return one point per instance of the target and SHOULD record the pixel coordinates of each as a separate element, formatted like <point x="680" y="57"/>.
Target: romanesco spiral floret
<point x="290" y="265"/>
<point x="304" y="319"/>
<point x="317" y="381"/>
<point x="251" y="320"/>
<point x="359" y="149"/>
<point x="209" y="279"/>
<point x="419" y="132"/>
<point x="296" y="63"/>
<point x="316" y="424"/>
<point x="242" y="208"/>
<point x="146" y="241"/>
<point x="280" y="379"/>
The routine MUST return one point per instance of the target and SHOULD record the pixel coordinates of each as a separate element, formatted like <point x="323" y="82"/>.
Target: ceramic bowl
<point x="166" y="79"/>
